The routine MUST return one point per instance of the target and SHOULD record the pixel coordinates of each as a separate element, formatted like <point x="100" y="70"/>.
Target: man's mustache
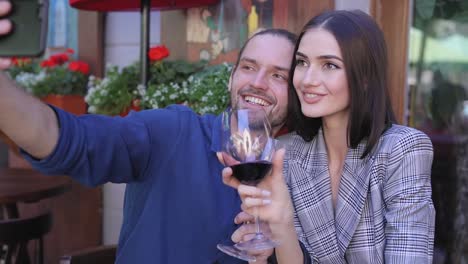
<point x="258" y="92"/>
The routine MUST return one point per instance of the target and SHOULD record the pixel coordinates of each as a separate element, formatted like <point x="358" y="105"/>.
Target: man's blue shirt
<point x="176" y="208"/>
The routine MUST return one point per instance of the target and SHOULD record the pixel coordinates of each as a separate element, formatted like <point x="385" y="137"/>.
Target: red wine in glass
<point x="251" y="173"/>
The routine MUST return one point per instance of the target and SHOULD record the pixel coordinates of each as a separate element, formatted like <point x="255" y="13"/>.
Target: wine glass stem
<point x="258" y="233"/>
<point x="257" y="225"/>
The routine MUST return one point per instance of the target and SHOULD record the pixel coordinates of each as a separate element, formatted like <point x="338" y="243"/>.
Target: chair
<point x="95" y="255"/>
<point x="16" y="233"/>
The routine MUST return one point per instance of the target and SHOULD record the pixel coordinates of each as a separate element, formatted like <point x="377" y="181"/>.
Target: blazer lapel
<point x="311" y="193"/>
<point x="354" y="184"/>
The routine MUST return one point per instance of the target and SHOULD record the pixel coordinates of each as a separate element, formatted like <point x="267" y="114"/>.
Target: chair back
<point x="15" y="234"/>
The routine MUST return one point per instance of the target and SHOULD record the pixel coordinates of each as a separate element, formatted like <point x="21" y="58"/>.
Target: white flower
<point x="92" y="109"/>
<point x="105" y="82"/>
<point x="109" y="66"/>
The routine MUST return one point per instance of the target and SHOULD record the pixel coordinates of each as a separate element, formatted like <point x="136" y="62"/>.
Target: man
<point x="177" y="208"/>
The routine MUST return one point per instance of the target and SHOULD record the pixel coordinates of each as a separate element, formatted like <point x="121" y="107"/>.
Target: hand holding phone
<point x="5" y="27"/>
<point x="5" y="24"/>
<point x="29" y="28"/>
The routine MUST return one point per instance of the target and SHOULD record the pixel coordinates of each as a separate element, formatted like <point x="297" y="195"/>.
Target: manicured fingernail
<point x="266" y="201"/>
<point x="266" y="193"/>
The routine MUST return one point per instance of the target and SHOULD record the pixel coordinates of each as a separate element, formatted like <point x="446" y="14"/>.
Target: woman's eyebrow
<point x="300" y="54"/>
<point x="328" y="57"/>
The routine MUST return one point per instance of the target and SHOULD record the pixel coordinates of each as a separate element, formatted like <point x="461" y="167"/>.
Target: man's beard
<point x="276" y="121"/>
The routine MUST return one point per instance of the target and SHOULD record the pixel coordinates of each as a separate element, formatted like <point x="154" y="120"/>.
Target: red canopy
<point x="126" y="5"/>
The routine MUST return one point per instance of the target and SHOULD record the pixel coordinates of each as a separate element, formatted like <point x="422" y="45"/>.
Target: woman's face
<point x="320" y="76"/>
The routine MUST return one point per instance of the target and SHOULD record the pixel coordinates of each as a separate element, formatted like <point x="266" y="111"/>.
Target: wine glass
<point x="247" y="147"/>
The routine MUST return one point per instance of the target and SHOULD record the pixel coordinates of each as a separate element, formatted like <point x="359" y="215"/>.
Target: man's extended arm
<point x="26" y="120"/>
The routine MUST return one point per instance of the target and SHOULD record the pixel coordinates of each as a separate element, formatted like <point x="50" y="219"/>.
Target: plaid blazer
<point x="384" y="211"/>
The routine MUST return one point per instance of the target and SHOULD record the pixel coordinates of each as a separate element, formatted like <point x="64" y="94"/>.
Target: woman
<point x="359" y="185"/>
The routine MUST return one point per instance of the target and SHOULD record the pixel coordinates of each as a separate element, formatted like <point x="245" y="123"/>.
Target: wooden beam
<point x="91" y="40"/>
<point x="300" y="12"/>
<point x="171" y="22"/>
<point x="394" y="19"/>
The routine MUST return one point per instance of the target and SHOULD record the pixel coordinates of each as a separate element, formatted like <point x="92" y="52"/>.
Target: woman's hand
<point x="5" y="27"/>
<point x="247" y="231"/>
<point x="270" y="199"/>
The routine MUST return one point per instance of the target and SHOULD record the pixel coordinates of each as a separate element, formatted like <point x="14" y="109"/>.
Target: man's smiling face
<point x="261" y="77"/>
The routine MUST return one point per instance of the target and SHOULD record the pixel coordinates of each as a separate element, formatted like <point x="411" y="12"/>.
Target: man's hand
<point x="5" y="27"/>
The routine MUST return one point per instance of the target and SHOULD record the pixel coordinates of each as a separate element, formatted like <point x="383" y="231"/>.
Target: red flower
<point x="60" y="58"/>
<point x="48" y="64"/>
<point x="70" y="51"/>
<point x="15" y="61"/>
<point x="158" y="53"/>
<point x="79" y="66"/>
<point x="20" y="61"/>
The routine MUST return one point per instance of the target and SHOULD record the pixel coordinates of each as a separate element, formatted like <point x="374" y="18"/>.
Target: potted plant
<point x="208" y="91"/>
<point x="202" y="87"/>
<point x="204" y="91"/>
<point x="120" y="90"/>
<point x="57" y="80"/>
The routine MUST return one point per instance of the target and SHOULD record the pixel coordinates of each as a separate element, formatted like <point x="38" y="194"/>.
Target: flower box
<point x="74" y="104"/>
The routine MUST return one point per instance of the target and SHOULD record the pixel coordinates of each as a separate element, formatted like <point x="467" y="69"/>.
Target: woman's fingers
<point x="277" y="170"/>
<point x="250" y="202"/>
<point x="246" y="190"/>
<point x="252" y="196"/>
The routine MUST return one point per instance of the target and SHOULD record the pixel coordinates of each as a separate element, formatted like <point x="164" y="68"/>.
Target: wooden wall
<point x="299" y="12"/>
<point x="393" y="17"/>
<point x="291" y="15"/>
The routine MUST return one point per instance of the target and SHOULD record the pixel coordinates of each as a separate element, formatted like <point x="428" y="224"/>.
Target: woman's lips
<point x="311" y="98"/>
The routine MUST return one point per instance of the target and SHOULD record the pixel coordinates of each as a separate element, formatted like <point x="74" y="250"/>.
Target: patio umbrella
<point x="144" y="6"/>
<point x="122" y="5"/>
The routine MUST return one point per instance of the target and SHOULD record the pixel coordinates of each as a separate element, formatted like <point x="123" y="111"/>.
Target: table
<point x="27" y="185"/>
